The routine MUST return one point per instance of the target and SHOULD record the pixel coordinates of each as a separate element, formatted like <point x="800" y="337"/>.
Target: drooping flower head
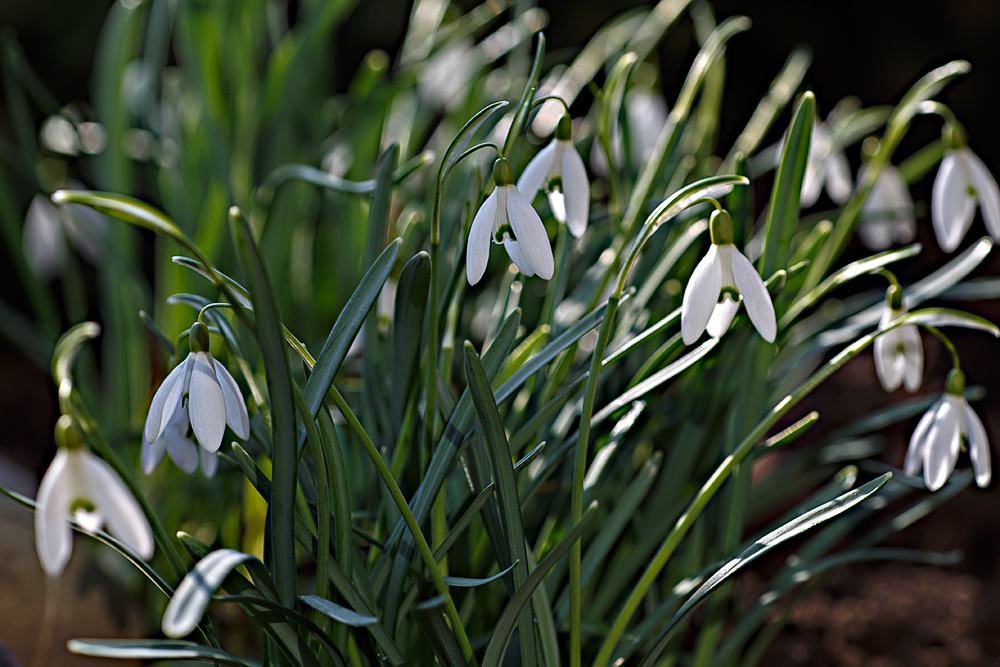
<point x="962" y="183"/>
<point x="507" y="217"/>
<point x="81" y="485"/>
<point x="899" y="354"/>
<point x="721" y="278"/>
<point x="559" y="169"/>
<point x="887" y="214"/>
<point x="827" y="166"/>
<point x="943" y="431"/>
<point x="201" y="394"/>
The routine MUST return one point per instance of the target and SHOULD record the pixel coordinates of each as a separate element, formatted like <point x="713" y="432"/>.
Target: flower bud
<point x="720" y="227"/>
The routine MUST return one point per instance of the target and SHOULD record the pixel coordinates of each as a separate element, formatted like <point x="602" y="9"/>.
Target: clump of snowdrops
<point x="421" y="448"/>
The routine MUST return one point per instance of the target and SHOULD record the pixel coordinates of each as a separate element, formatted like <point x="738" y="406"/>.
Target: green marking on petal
<point x="731" y="291"/>
<point x="503" y="233"/>
<point x="554" y="184"/>
<point x="82" y="504"/>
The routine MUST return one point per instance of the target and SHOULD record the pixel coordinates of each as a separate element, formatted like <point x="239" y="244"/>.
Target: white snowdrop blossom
<point x="199" y="393"/>
<point x="887" y="214"/>
<point x="827" y="166"/>
<point x="647" y="114"/>
<point x="507" y="217"/>
<point x="84" y="487"/>
<point x="559" y="169"/>
<point x="47" y="228"/>
<point x="962" y="182"/>
<point x="942" y="432"/>
<point x="720" y="279"/>
<point x="899" y="354"/>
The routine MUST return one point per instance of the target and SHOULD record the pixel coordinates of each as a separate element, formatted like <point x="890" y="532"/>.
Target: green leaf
<point x="786" y="532"/>
<point x="151" y="649"/>
<point x="464" y="136"/>
<point x="783" y="211"/>
<point x="411" y="302"/>
<point x="465" y="582"/>
<point x="338" y="613"/>
<point x="430" y="615"/>
<point x="524" y="105"/>
<point x="124" y="208"/>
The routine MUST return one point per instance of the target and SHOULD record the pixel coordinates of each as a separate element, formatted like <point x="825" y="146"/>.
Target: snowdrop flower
<point x="720" y="279"/>
<point x="47" y="228"/>
<point x="201" y="393"/>
<point x="938" y="438"/>
<point x="827" y="165"/>
<point x="83" y="486"/>
<point x="507" y="217"/>
<point x="559" y="169"/>
<point x="647" y="114"/>
<point x="899" y="354"/>
<point x="962" y="182"/>
<point x="887" y="214"/>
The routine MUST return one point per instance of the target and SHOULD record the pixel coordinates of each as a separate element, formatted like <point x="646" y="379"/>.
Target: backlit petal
<point x="943" y="443"/>
<point x="206" y="403"/>
<point x="535" y="174"/>
<point x="477" y="252"/>
<point x="838" y="177"/>
<point x="118" y="507"/>
<point x="986" y="191"/>
<point x="701" y="295"/>
<point x="53" y="537"/>
<point x="918" y="441"/>
<point x="889" y="364"/>
<point x="913" y="353"/>
<point x="722" y="316"/>
<point x="532" y="239"/>
<point x="952" y="209"/>
<point x="755" y="296"/>
<point x="979" y="447"/>
<point x="43" y="241"/>
<point x="166" y="398"/>
<point x="209" y="463"/>
<point x="516" y="256"/>
<point x="236" y="409"/>
<point x="577" y="191"/>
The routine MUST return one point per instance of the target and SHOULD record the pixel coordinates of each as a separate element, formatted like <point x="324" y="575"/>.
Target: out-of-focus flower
<point x="559" y="169"/>
<point x="962" y="182"/>
<point x="80" y="485"/>
<point x="938" y="438"/>
<point x="46" y="229"/>
<point x="507" y="217"/>
<point x="647" y="114"/>
<point x="827" y="166"/>
<point x="887" y="214"/>
<point x="899" y="354"/>
<point x="446" y="74"/>
<point x="711" y="298"/>
<point x="201" y="393"/>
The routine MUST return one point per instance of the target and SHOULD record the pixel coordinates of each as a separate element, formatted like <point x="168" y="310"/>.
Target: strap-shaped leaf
<point x="411" y="302"/>
<point x="337" y="612"/>
<point x="124" y="208"/>
<point x="431" y="617"/>
<point x="151" y="649"/>
<point x="464" y="136"/>
<point x="192" y="597"/>
<point x="466" y="582"/>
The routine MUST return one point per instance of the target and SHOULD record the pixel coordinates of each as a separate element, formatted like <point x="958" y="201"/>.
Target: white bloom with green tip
<point x="81" y="485"/>
<point x="899" y="354"/>
<point x="559" y="169"/>
<point x="720" y="279"/>
<point x="962" y="183"/>
<point x="887" y="214"/>
<point x="507" y="217"/>
<point x="939" y="436"/>
<point x="199" y="393"/>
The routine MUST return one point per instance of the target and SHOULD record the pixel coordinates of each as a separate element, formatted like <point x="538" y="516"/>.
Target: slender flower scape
<point x="720" y="279"/>
<point x="559" y="169"/>
<point x="938" y="438"/>
<point x="962" y="182"/>
<point x="201" y="393"/>
<point x="81" y="485"/>
<point x="887" y="214"/>
<point x="899" y="354"/>
<point x="507" y="217"/>
<point x="827" y="165"/>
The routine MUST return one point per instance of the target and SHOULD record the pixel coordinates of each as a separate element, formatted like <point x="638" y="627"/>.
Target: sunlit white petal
<point x="979" y="446"/>
<point x="209" y="463"/>
<point x="943" y="443"/>
<point x="206" y="403"/>
<point x="913" y="355"/>
<point x="236" y="409"/>
<point x="701" y="295"/>
<point x="516" y="256"/>
<point x="117" y="506"/>
<point x="914" y="462"/>
<point x="477" y="252"/>
<point x="838" y="177"/>
<point x="534" y="176"/>
<point x="43" y="240"/>
<point x="987" y="192"/>
<point x="889" y="363"/>
<point x="532" y="239"/>
<point x="755" y="296"/>
<point x="166" y="398"/>
<point x="722" y="316"/>
<point x="53" y="537"/>
<point x="577" y="191"/>
<point x="952" y="209"/>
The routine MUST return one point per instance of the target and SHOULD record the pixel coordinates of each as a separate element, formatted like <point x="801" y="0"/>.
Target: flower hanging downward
<point x="899" y="354"/>
<point x="962" y="182"/>
<point x="720" y="279"/>
<point x="938" y="438"/>
<point x="507" y="217"/>
<point x="201" y="393"/>
<point x="559" y="169"/>
<point x="827" y="165"/>
<point x="81" y="485"/>
<point x="887" y="214"/>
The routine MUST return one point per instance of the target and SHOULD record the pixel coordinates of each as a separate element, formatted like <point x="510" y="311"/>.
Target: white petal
<point x="838" y="177"/>
<point x="577" y="189"/>
<point x="701" y="295"/>
<point x="118" y="507"/>
<point x="516" y="256"/>
<point x="812" y="182"/>
<point x="918" y="441"/>
<point x="477" y="252"/>
<point x="889" y="364"/>
<point x="209" y="463"/>
<point x="722" y="317"/>
<point x="53" y="537"/>
<point x="913" y="353"/>
<point x="755" y="296"/>
<point x="534" y="176"/>
<point x="532" y="239"/>
<point x="876" y="234"/>
<point x="986" y="191"/>
<point x="979" y="447"/>
<point x="206" y="403"/>
<point x="952" y="209"/>
<point x="943" y="443"/>
<point x="150" y="454"/>
<point x="557" y="202"/>
<point x="236" y="409"/>
<point x="172" y="388"/>
<point x="183" y="451"/>
<point x="43" y="241"/>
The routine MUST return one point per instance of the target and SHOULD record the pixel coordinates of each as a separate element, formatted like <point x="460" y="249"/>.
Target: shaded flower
<point x="887" y="214"/>
<point x="939" y="436"/>
<point x="507" y="217"/>
<point x="899" y="354"/>
<point x="720" y="279"/>
<point x="47" y="228"/>
<point x="559" y="169"/>
<point x="962" y="182"/>
<point x="81" y="485"/>
<point x="199" y="393"/>
<point x="827" y="166"/>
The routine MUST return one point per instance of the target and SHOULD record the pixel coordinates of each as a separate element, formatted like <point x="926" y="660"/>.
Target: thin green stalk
<point x="322" y="491"/>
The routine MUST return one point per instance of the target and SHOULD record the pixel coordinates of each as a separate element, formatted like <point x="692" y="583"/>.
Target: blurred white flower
<point x="46" y="228"/>
<point x="80" y="485"/>
<point x="201" y="393"/>
<point x="937" y="440"/>
<point x="721" y="277"/>
<point x="507" y="217"/>
<point x="887" y="214"/>
<point x="899" y="354"/>
<point x="962" y="182"/>
<point x="647" y="114"/>
<point x="559" y="169"/>
<point x="444" y="78"/>
<point x="827" y="166"/>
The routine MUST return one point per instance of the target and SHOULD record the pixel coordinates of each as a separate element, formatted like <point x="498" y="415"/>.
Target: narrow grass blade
<point x="151" y="649"/>
<point x="338" y="613"/>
